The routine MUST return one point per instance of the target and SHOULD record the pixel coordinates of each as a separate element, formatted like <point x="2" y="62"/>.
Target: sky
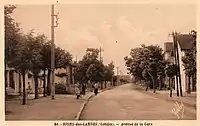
<point x="101" y="25"/>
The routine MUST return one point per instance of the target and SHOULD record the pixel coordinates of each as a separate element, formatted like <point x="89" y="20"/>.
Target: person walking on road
<point x="95" y="88"/>
<point x="77" y="91"/>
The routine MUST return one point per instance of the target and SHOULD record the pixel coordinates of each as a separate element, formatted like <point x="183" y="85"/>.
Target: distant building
<point x="126" y="77"/>
<point x="65" y="75"/>
<point x="168" y="51"/>
<point x="169" y="57"/>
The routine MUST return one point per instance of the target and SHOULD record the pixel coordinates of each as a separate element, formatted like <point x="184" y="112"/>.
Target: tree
<point x="146" y="75"/>
<point x="22" y="62"/>
<point x="109" y="72"/>
<point x="135" y="63"/>
<point x="35" y="44"/>
<point x="16" y="54"/>
<point x="189" y="62"/>
<point x="62" y="60"/>
<point x="26" y="52"/>
<point x="46" y="65"/>
<point x="13" y="35"/>
<point x="144" y="61"/>
<point x="93" y="70"/>
<point x="171" y="71"/>
<point x="89" y="60"/>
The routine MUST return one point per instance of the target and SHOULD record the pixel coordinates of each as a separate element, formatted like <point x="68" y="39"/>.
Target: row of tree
<point x="91" y="70"/>
<point x="29" y="52"/>
<point x="147" y="63"/>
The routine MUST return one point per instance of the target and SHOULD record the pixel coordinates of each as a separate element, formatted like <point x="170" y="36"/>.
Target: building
<point x="170" y="59"/>
<point x="14" y="80"/>
<point x="185" y="42"/>
<point x="126" y="78"/>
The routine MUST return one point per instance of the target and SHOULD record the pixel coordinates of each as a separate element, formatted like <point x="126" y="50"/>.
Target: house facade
<point x="185" y="42"/>
<point x="14" y="80"/>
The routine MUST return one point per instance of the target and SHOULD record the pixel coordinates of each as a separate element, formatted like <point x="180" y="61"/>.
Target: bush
<point x="60" y="89"/>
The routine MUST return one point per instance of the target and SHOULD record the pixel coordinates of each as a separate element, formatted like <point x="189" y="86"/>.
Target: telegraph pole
<point x="100" y="58"/>
<point x="177" y="54"/>
<point x="76" y="58"/>
<point x="176" y="61"/>
<point x="53" y="49"/>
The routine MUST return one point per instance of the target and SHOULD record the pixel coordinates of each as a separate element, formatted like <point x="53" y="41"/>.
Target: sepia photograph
<point x="100" y="61"/>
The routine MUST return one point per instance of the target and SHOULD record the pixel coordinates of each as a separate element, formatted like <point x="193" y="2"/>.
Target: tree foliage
<point x="29" y="52"/>
<point x="146" y="63"/>
<point x="93" y="70"/>
<point x="189" y="62"/>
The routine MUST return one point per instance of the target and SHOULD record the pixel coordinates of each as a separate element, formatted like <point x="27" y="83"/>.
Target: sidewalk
<point x="187" y="99"/>
<point x="63" y="107"/>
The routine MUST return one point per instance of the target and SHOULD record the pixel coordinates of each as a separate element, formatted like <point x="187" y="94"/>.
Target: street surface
<point x="126" y="103"/>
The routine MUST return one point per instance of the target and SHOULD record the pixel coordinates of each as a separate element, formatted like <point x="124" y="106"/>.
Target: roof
<point x="168" y="46"/>
<point x="186" y="41"/>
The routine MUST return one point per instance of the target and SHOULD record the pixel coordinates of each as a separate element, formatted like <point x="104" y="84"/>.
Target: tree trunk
<point x="20" y="84"/>
<point x="170" y="86"/>
<point x="24" y="90"/>
<point x="105" y="84"/>
<point x="44" y="83"/>
<point x="160" y="84"/>
<point x="6" y="94"/>
<point x="189" y="91"/>
<point x="36" y="86"/>
<point x="173" y="82"/>
<point x="48" y="83"/>
<point x="147" y="85"/>
<point x="193" y="83"/>
<point x="154" y="84"/>
<point x="101" y="85"/>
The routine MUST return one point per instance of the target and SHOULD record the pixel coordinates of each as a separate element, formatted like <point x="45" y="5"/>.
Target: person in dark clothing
<point x="83" y="89"/>
<point x="77" y="91"/>
<point x="96" y="89"/>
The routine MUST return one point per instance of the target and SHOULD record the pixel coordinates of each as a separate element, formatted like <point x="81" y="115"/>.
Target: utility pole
<point x="177" y="54"/>
<point x="100" y="58"/>
<point x="53" y="49"/>
<point x="176" y="61"/>
<point x="76" y="59"/>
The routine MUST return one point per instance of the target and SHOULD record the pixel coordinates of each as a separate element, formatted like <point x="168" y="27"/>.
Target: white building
<point x="14" y="82"/>
<point x="185" y="42"/>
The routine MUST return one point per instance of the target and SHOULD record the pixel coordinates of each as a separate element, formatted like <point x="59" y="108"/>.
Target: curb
<point x="166" y="98"/>
<point x="82" y="107"/>
<point x="85" y="103"/>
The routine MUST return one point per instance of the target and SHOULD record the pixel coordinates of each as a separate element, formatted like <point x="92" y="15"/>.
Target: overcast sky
<point x="95" y="25"/>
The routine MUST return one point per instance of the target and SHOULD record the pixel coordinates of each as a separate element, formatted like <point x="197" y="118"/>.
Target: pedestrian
<point x="83" y="89"/>
<point x="95" y="88"/>
<point x="77" y="91"/>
